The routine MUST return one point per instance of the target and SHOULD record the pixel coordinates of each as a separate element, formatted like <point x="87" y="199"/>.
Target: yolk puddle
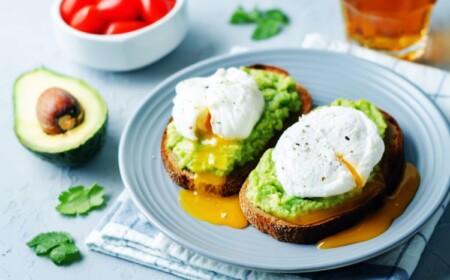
<point x="213" y="208"/>
<point x="358" y="180"/>
<point x="380" y="220"/>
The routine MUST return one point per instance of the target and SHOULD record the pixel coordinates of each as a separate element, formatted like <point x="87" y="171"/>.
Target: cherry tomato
<point x="119" y="27"/>
<point x="153" y="10"/>
<point x="171" y="3"/>
<point x="69" y="8"/>
<point x="89" y="19"/>
<point x="118" y="10"/>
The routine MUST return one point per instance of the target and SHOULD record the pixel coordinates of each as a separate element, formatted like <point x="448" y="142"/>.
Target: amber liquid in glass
<point x="398" y="27"/>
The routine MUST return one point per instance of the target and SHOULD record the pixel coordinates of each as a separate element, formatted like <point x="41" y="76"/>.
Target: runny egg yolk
<point x="358" y="180"/>
<point x="203" y="125"/>
<point x="213" y="208"/>
<point x="381" y="219"/>
<point x="200" y="203"/>
<point x="209" y="151"/>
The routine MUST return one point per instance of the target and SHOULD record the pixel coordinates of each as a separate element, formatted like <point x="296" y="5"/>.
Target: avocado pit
<point x="58" y="111"/>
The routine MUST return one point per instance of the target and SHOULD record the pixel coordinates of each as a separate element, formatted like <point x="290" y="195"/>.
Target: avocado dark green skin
<point x="77" y="156"/>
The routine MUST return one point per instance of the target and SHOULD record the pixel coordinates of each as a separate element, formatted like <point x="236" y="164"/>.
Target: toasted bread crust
<point x="234" y="180"/>
<point x="393" y="162"/>
<point x="391" y="165"/>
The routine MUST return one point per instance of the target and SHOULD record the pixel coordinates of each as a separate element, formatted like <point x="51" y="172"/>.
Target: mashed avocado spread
<point x="281" y="99"/>
<point x="265" y="191"/>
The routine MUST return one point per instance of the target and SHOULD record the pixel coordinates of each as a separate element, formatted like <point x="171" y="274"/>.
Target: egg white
<point x="307" y="156"/>
<point x="230" y="95"/>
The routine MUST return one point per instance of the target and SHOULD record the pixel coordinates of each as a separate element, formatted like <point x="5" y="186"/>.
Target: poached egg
<point x="327" y="152"/>
<point x="227" y="104"/>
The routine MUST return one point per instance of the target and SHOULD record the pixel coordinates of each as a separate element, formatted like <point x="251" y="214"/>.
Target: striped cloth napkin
<point x="126" y="234"/>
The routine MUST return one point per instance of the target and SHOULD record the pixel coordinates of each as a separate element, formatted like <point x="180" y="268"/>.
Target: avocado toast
<point x="284" y="102"/>
<point x="322" y="216"/>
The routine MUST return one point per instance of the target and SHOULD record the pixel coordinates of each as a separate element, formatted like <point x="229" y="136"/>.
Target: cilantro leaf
<point x="268" y="23"/>
<point x="266" y="28"/>
<point x="80" y="200"/>
<point x="240" y="16"/>
<point x="64" y="253"/>
<point x="43" y="243"/>
<point x="58" y="246"/>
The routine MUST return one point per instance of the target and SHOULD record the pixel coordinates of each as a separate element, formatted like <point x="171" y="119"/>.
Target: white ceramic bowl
<point x="122" y="52"/>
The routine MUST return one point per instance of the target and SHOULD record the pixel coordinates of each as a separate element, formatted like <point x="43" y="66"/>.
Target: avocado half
<point x="74" y="147"/>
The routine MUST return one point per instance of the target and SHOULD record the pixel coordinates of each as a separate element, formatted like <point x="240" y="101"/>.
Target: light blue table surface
<point x="29" y="187"/>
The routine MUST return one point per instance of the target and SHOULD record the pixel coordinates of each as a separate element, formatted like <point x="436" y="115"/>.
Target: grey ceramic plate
<point x="327" y="76"/>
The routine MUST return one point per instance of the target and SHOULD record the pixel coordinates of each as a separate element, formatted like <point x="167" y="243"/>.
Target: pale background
<point x="29" y="187"/>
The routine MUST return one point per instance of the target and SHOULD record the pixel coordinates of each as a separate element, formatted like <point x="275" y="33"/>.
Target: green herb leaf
<point x="240" y="16"/>
<point x="44" y="242"/>
<point x="269" y="23"/>
<point x="266" y="28"/>
<point x="58" y="246"/>
<point x="277" y="15"/>
<point x="80" y="200"/>
<point x="64" y="254"/>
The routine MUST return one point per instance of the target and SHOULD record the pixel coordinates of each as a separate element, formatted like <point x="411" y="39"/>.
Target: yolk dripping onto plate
<point x="380" y="220"/>
<point x="200" y="204"/>
<point x="214" y="209"/>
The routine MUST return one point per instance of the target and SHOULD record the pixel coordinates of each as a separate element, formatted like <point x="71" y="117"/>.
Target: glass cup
<point x="396" y="27"/>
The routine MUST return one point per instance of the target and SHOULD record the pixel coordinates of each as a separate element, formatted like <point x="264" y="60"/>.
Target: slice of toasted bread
<point x="391" y="167"/>
<point x="234" y="180"/>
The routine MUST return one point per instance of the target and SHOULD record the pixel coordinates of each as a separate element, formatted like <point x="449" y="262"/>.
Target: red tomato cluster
<point x="113" y="16"/>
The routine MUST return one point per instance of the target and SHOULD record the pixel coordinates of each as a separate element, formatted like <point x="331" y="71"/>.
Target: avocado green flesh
<point x="73" y="147"/>
<point x="281" y="100"/>
<point x="266" y="192"/>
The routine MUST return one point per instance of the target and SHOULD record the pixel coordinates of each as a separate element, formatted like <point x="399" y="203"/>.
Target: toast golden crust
<point x="235" y="179"/>
<point x="391" y="167"/>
